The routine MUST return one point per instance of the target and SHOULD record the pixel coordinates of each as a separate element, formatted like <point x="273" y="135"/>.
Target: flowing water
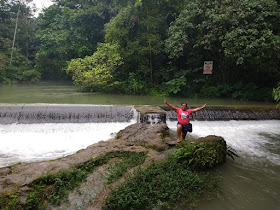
<point x="251" y="181"/>
<point x="37" y="142"/>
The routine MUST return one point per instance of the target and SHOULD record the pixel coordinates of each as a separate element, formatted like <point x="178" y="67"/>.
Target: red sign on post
<point x="208" y="67"/>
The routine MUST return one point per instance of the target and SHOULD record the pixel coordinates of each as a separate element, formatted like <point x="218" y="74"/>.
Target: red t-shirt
<point x="183" y="116"/>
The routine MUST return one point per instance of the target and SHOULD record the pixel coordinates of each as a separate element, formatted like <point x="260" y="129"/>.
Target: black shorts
<point x="186" y="128"/>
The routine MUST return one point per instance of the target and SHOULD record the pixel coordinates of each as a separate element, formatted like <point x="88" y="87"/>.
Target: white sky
<point x="40" y="4"/>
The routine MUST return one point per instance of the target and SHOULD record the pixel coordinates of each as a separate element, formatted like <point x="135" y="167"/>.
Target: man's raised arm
<point x="170" y="105"/>
<point x="199" y="108"/>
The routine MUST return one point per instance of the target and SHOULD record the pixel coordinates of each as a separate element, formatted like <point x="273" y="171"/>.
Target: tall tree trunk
<point x="15" y="33"/>
<point x="150" y="46"/>
<point x="27" y="38"/>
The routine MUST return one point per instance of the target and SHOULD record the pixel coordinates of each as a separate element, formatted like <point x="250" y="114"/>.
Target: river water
<point x="251" y="181"/>
<point x="55" y="93"/>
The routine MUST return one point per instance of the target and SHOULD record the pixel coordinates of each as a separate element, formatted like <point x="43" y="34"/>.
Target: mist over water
<point x="37" y="142"/>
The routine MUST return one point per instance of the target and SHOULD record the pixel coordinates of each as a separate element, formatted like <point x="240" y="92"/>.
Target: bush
<point x="201" y="154"/>
<point x="31" y="75"/>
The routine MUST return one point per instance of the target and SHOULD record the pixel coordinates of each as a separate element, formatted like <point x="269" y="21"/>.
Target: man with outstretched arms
<point x="183" y="115"/>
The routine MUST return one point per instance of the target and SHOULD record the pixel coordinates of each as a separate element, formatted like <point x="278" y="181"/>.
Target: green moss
<point x="162" y="185"/>
<point x="118" y="135"/>
<point x="121" y="167"/>
<point x="202" y="154"/>
<point x="165" y="133"/>
<point x="79" y="151"/>
<point x="154" y="147"/>
<point x="54" y="188"/>
<point x="12" y="167"/>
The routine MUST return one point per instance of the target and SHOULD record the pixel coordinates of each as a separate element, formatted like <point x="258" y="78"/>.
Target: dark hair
<point x="184" y="103"/>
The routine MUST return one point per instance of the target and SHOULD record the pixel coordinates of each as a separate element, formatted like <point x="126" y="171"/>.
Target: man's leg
<point x="183" y="135"/>
<point x="179" y="133"/>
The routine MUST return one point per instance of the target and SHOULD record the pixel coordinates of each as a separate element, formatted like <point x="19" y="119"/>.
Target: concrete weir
<point x="150" y="114"/>
<point x="64" y="113"/>
<point x="79" y="113"/>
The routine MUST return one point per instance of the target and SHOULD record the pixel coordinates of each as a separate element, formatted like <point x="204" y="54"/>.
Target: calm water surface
<point x="56" y="93"/>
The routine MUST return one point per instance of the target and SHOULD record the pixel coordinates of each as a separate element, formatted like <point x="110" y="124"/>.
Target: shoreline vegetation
<point x="127" y="172"/>
<point x="146" y="47"/>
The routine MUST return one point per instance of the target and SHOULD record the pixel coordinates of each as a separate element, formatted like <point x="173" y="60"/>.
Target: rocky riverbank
<point x="151" y="140"/>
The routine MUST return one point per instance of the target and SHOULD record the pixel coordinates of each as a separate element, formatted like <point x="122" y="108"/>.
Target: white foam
<point x="243" y="136"/>
<point x="36" y="142"/>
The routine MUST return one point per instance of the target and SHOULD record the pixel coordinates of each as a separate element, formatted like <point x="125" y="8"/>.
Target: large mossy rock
<point x="204" y="152"/>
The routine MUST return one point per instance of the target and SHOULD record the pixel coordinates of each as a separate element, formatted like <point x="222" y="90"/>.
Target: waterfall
<point x="37" y="142"/>
<point x="30" y="133"/>
<point x="47" y="131"/>
<point x="55" y="113"/>
<point x="224" y="113"/>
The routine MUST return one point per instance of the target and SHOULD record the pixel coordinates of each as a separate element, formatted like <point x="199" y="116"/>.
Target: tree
<point x="276" y="94"/>
<point x="241" y="37"/>
<point x="17" y="46"/>
<point x="140" y="29"/>
<point x="70" y="29"/>
<point x="95" y="72"/>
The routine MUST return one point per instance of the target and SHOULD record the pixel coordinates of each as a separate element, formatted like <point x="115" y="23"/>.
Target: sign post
<point x="208" y="67"/>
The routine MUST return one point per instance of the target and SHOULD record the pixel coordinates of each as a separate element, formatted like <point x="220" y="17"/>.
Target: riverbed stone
<point x="132" y="138"/>
<point x="4" y="171"/>
<point x="139" y="137"/>
<point x="205" y="152"/>
<point x="141" y="133"/>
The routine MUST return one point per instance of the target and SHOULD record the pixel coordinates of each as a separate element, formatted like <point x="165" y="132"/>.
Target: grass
<point x="54" y="188"/>
<point x="162" y="185"/>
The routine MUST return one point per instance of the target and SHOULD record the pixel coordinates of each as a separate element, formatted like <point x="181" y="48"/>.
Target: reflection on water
<point x="58" y="93"/>
<point x="251" y="181"/>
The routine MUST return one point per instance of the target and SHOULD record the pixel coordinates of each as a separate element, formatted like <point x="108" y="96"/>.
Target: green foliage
<point x="10" y="201"/>
<point x="202" y="155"/>
<point x="140" y="30"/>
<point x="276" y="94"/>
<point x="31" y="75"/>
<point x="54" y="188"/>
<point x="136" y="85"/>
<point x="174" y="85"/>
<point x="13" y="69"/>
<point x="161" y="185"/>
<point x="96" y="71"/>
<point x="19" y="70"/>
<point x="241" y="37"/>
<point x="120" y="168"/>
<point x="67" y="31"/>
<point x="162" y="46"/>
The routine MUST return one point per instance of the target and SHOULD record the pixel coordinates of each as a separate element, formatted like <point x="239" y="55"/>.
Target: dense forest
<point x="155" y="47"/>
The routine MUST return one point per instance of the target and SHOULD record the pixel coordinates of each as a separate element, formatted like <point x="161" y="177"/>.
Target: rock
<point x="205" y="152"/>
<point x="141" y="133"/>
<point x="4" y="171"/>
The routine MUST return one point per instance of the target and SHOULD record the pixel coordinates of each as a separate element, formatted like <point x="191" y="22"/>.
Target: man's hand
<point x="199" y="108"/>
<point x="170" y="105"/>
